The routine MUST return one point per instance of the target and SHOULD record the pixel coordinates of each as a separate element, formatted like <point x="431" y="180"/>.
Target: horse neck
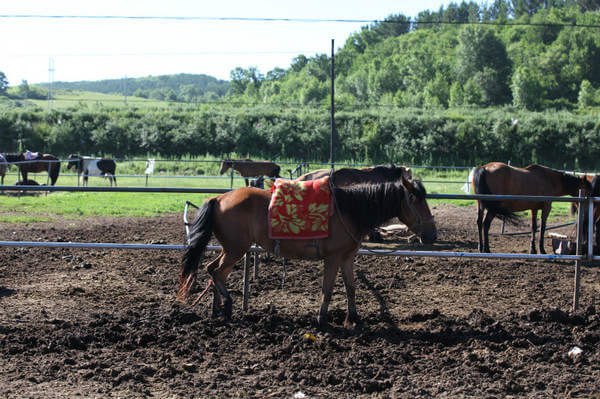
<point x="369" y="206"/>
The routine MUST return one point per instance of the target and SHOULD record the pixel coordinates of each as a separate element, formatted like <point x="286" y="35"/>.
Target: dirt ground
<point x="99" y="323"/>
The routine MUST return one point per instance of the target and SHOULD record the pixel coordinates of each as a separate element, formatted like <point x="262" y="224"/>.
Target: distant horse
<point x="249" y="168"/>
<point x="93" y="167"/>
<point x="3" y="167"/>
<point x="35" y="164"/>
<point x="345" y="177"/>
<point x="534" y="180"/>
<point x="239" y="219"/>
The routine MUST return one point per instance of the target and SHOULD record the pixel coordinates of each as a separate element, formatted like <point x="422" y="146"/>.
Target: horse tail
<point x="480" y="186"/>
<point x="54" y="171"/>
<point x="200" y="233"/>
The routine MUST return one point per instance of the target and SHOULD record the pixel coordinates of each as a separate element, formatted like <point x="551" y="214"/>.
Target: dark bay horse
<point x="3" y="167"/>
<point x="41" y="163"/>
<point x="249" y="168"/>
<point x="89" y="166"/>
<point x="239" y="219"/>
<point x="345" y="177"/>
<point x="534" y="180"/>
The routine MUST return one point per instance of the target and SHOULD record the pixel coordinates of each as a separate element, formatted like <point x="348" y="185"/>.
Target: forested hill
<point x="532" y="54"/>
<point x="180" y="87"/>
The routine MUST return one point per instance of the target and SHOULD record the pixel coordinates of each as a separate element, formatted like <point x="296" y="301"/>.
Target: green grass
<point x="71" y="98"/>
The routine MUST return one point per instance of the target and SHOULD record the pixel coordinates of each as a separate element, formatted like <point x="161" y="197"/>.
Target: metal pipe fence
<point x="579" y="257"/>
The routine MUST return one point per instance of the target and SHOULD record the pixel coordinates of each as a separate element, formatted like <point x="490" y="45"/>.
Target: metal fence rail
<point x="579" y="257"/>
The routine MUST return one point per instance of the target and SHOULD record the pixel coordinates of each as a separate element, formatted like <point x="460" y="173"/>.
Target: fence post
<point x="578" y="248"/>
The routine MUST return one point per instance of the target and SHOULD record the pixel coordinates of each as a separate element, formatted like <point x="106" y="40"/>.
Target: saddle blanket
<point x="299" y="209"/>
<point x="31" y="155"/>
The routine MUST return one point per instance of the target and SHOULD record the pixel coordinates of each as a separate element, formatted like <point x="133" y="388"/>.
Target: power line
<point x="300" y="20"/>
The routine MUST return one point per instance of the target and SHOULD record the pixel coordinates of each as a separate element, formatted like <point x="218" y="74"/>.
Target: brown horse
<point x="345" y="177"/>
<point x="249" y="168"/>
<point x="238" y="219"/>
<point x="371" y="174"/>
<point x="42" y="163"/>
<point x="534" y="180"/>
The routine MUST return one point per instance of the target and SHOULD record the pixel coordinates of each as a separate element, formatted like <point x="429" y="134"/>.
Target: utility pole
<point x="332" y="135"/>
<point x="51" y="80"/>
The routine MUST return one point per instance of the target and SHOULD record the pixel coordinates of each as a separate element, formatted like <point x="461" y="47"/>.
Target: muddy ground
<point x="101" y="323"/>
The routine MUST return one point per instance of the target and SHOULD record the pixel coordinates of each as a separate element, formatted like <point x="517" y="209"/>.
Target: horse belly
<point x="93" y="169"/>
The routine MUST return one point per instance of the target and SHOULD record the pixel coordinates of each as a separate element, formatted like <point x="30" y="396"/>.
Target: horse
<point x="93" y="167"/>
<point x="345" y="177"/>
<point x="534" y="180"/>
<point x="249" y="168"/>
<point x="371" y="174"/>
<point x="3" y="167"/>
<point x="40" y="163"/>
<point x="239" y="219"/>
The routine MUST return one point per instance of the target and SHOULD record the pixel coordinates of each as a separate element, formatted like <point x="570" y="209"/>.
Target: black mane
<point x="369" y="205"/>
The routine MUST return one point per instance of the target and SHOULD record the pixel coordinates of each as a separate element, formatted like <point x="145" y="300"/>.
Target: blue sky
<point x="95" y="49"/>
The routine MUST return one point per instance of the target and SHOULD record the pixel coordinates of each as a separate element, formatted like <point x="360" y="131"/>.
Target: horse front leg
<point x="352" y="318"/>
<point x="331" y="269"/>
<point x="532" y="248"/>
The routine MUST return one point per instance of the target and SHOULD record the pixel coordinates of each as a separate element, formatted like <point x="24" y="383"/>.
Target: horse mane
<point x="595" y="191"/>
<point x="572" y="183"/>
<point x="371" y="205"/>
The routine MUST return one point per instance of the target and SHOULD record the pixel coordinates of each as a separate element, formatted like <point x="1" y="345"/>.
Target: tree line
<point x="409" y="136"/>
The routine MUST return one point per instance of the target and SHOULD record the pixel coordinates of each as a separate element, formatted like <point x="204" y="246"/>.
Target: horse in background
<point x="249" y="168"/>
<point x="345" y="177"/>
<point x="239" y="218"/>
<point x="535" y="180"/>
<point x="29" y="162"/>
<point x="3" y="167"/>
<point x="89" y="166"/>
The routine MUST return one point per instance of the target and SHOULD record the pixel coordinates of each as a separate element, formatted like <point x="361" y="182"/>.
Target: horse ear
<point x="407" y="184"/>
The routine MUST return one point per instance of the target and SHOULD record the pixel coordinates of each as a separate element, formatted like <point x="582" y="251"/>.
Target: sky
<point x="202" y="37"/>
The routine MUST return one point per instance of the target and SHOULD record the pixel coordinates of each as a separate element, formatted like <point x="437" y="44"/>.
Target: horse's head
<point x="416" y="213"/>
<point x="74" y="160"/>
<point x="225" y="165"/>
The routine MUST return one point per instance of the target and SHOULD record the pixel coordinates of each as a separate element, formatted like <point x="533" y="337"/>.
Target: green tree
<point x="587" y="94"/>
<point x="3" y="83"/>
<point x="481" y="54"/>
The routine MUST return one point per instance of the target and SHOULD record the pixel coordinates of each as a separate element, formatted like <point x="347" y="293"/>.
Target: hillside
<point x="181" y="87"/>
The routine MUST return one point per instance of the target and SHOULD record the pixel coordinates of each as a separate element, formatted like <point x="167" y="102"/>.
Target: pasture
<point x="104" y="323"/>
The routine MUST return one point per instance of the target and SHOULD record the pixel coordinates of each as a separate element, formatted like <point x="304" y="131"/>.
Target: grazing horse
<point x="35" y="164"/>
<point x="534" y="180"/>
<point x="93" y="167"/>
<point x="239" y="219"/>
<point x="249" y="168"/>
<point x="345" y="177"/>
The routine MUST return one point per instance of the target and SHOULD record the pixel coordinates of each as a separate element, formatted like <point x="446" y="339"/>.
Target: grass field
<point x="70" y="98"/>
<point x="37" y="207"/>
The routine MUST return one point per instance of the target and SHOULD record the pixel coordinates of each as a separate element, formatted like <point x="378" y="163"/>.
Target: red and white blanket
<point x="299" y="209"/>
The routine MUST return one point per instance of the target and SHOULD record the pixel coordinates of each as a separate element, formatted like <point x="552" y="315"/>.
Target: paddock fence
<point x="582" y="254"/>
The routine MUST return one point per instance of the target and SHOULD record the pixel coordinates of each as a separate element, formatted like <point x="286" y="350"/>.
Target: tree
<point x="3" y="83"/>
<point x="587" y="94"/>
<point x="482" y="56"/>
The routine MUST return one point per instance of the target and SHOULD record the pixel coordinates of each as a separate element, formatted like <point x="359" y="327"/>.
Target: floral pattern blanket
<point x="299" y="209"/>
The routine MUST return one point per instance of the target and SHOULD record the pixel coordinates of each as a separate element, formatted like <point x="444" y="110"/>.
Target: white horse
<point x="93" y="167"/>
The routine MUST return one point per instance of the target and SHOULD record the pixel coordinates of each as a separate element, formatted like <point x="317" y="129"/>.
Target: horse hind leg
<point x="219" y="270"/>
<point x="532" y="248"/>
<point x="352" y="318"/>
